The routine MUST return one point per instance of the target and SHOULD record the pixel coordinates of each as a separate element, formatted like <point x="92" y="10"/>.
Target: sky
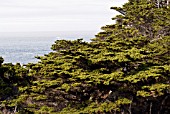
<point x="56" y="15"/>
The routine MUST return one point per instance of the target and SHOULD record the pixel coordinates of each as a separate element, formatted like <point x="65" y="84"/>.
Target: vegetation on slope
<point x="125" y="69"/>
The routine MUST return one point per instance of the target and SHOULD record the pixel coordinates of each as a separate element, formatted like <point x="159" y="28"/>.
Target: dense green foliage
<point x="125" y="69"/>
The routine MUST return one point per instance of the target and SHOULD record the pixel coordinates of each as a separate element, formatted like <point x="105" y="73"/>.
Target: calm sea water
<point x="23" y="47"/>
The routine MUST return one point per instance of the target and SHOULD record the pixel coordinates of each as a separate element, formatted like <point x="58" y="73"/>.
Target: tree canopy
<point x="124" y="69"/>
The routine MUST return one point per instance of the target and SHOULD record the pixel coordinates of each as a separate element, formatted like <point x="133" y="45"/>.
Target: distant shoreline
<point x="77" y="34"/>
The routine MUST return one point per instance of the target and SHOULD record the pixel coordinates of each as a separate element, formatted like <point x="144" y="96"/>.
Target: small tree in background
<point x="1" y="61"/>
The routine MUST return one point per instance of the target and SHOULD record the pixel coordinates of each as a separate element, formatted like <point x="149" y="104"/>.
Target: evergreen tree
<point x="125" y="69"/>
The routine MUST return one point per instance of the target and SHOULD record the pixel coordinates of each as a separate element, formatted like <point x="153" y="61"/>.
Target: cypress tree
<point x="125" y="69"/>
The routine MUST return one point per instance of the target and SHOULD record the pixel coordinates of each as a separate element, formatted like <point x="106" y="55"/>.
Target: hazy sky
<point x="55" y="15"/>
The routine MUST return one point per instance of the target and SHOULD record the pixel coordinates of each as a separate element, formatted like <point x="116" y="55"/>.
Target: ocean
<point x="22" y="47"/>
